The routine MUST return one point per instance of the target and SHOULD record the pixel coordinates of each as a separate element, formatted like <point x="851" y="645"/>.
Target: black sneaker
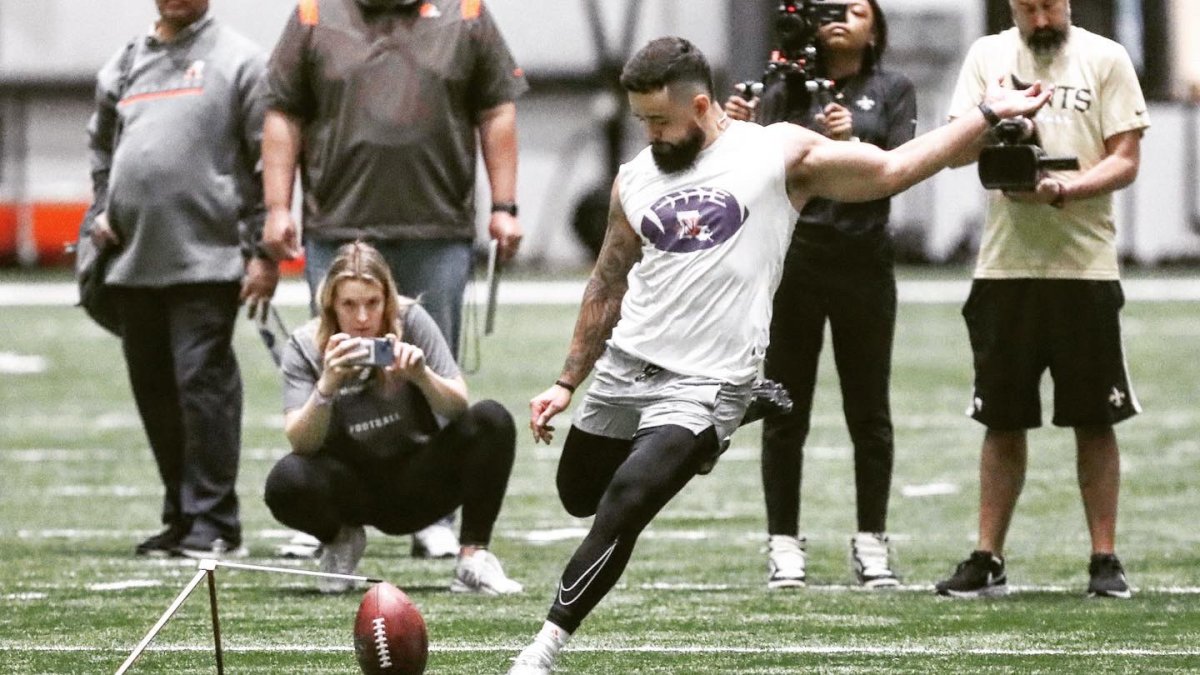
<point x="165" y="544"/>
<point x="981" y="575"/>
<point x="767" y="398"/>
<point x="1107" y="577"/>
<point x="201" y="546"/>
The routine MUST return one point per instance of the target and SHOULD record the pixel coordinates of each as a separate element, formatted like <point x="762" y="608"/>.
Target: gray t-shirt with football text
<point x="370" y="426"/>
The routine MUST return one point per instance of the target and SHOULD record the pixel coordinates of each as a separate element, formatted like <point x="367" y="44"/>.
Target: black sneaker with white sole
<point x="981" y="575"/>
<point x="165" y="544"/>
<point x="1107" y="577"/>
<point x="202" y="546"/>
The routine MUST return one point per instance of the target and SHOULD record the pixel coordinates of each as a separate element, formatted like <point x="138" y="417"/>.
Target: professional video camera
<point x="1016" y="162"/>
<point x="795" y="55"/>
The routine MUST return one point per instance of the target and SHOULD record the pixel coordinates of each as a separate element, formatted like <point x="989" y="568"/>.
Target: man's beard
<point x="1046" y="41"/>
<point x="676" y="157"/>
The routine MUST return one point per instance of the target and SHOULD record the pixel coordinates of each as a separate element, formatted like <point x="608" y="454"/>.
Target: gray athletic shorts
<point x="628" y="394"/>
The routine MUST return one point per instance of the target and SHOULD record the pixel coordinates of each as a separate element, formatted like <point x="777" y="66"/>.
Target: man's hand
<point x="258" y="286"/>
<point x="740" y="109"/>
<point x="838" y="122"/>
<point x="102" y="233"/>
<point x="281" y="237"/>
<point x="1007" y="102"/>
<point x="543" y="408"/>
<point x="506" y="230"/>
<point x="1046" y="192"/>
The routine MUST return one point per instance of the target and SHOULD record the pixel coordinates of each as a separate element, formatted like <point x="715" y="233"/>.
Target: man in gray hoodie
<point x="175" y="144"/>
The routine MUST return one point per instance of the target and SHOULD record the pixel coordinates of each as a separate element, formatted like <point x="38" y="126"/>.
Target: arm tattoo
<point x="601" y="307"/>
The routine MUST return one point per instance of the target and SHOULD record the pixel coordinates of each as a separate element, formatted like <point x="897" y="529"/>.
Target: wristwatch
<point x="507" y="207"/>
<point x="990" y="115"/>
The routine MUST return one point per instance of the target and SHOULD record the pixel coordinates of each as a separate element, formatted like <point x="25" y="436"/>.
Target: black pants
<point x="625" y="484"/>
<point x="465" y="464"/>
<point x="179" y="353"/>
<point x="855" y="291"/>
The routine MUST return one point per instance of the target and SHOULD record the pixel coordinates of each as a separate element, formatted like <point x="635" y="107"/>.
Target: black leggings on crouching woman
<point x="465" y="464"/>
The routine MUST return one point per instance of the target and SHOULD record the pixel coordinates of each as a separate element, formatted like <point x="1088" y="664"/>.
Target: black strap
<point x="124" y="68"/>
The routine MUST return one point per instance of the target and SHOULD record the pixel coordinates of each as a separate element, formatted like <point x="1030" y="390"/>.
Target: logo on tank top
<point x="693" y="220"/>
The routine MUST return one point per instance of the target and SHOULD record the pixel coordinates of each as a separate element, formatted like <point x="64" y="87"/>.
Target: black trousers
<point x="625" y="483"/>
<point x="853" y="287"/>
<point x="179" y="353"/>
<point x="466" y="464"/>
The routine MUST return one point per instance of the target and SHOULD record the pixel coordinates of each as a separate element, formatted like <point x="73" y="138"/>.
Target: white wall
<point x="74" y="37"/>
<point x="562" y="152"/>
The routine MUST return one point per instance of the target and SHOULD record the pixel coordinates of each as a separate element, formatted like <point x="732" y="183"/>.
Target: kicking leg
<point x="586" y="469"/>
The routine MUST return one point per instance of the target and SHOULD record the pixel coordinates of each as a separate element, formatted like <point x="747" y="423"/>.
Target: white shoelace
<point x="872" y="554"/>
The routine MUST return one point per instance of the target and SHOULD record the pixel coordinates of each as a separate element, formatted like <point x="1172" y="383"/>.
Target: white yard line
<point x="816" y="650"/>
<point x="295" y="293"/>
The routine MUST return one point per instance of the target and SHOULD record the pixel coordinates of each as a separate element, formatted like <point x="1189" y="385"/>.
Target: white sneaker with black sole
<point x="786" y="559"/>
<point x="302" y="546"/>
<point x="870" y="556"/>
<point x="341" y="556"/>
<point x="481" y="572"/>
<point x="436" y="541"/>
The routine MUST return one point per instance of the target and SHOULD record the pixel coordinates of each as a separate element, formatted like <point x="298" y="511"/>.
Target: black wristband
<point x="507" y="207"/>
<point x="988" y="114"/>
<point x="565" y="385"/>
<point x="261" y="253"/>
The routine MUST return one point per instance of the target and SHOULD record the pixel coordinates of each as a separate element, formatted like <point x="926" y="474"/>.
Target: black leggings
<point x="625" y="484"/>
<point x="465" y="464"/>
<point x="858" y="299"/>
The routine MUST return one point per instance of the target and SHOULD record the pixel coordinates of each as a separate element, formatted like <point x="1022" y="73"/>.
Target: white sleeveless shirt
<point x="713" y="242"/>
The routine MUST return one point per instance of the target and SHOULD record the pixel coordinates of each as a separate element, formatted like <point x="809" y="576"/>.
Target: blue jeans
<point x="434" y="272"/>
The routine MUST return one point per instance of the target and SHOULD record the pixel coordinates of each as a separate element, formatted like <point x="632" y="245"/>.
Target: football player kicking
<point x="676" y="312"/>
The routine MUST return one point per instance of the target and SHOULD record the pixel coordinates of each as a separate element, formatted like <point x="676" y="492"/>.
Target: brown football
<point x="389" y="633"/>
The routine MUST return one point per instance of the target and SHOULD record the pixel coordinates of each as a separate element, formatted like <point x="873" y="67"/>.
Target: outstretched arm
<point x="598" y="314"/>
<point x="855" y="172"/>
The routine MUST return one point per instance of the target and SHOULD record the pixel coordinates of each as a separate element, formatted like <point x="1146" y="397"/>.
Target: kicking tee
<point x="1096" y="96"/>
<point x="713" y="242"/>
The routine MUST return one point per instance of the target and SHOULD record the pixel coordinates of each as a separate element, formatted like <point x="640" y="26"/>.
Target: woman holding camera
<point x="839" y="268"/>
<point x="376" y="412"/>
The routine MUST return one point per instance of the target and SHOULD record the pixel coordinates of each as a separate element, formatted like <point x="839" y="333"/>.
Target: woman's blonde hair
<point x="359" y="261"/>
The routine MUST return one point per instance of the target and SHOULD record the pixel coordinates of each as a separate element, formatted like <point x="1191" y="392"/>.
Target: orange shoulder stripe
<point x="471" y="9"/>
<point x="310" y="12"/>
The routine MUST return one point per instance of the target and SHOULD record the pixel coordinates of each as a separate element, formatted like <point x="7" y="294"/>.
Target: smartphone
<point x="381" y="352"/>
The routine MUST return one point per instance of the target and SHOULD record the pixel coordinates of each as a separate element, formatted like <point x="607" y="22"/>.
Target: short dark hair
<point x="666" y="61"/>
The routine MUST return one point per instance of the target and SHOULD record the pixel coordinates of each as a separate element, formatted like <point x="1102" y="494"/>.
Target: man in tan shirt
<point x="1047" y="290"/>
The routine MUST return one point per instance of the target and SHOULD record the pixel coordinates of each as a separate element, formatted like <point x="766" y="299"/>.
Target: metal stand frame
<point x="208" y="570"/>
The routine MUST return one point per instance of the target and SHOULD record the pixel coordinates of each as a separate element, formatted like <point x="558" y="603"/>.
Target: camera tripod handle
<point x="1059" y="163"/>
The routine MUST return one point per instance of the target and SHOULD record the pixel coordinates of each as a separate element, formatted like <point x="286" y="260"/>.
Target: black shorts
<point x="1021" y="327"/>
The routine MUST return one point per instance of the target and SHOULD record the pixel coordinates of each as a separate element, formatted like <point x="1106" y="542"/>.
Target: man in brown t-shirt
<point x="378" y="103"/>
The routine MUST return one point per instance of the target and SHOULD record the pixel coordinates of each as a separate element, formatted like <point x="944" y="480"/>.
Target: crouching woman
<point x="386" y="440"/>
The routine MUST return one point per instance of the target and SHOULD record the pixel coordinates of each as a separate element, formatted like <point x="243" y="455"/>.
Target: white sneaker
<point x="533" y="660"/>
<point x="480" y="572"/>
<point x="302" y="545"/>
<point x="435" y="541"/>
<point x="786" y="561"/>
<point x="341" y="556"/>
<point x="869" y="556"/>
